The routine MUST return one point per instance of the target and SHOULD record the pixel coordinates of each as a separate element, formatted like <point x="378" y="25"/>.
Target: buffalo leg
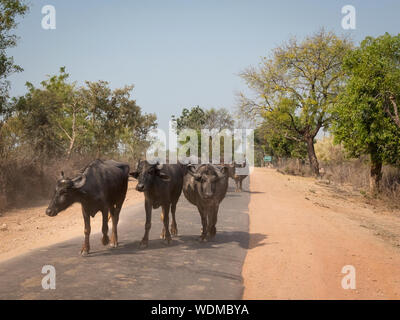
<point x="105" y="240"/>
<point x="241" y="181"/>
<point x="165" y="209"/>
<point x="212" y="221"/>
<point x="86" y="245"/>
<point x="147" y="226"/>
<point x="162" y="235"/>
<point x="115" y="218"/>
<point x="174" y="226"/>
<point x="203" y="217"/>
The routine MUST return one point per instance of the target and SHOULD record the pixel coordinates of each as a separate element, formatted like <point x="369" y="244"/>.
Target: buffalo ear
<point x="191" y="169"/>
<point x="164" y="176"/>
<point x="222" y="172"/>
<point x="134" y="174"/>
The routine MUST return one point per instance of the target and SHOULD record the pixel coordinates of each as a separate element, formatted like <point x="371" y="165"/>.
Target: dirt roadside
<point x="311" y="232"/>
<point x="30" y="228"/>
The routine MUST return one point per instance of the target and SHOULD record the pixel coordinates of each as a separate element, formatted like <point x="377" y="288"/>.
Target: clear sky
<point x="177" y="53"/>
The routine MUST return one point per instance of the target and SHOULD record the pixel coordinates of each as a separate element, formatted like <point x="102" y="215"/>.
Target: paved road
<point x="186" y="269"/>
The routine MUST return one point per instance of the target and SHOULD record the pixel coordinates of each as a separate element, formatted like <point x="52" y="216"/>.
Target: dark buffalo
<point x="237" y="173"/>
<point x="162" y="186"/>
<point x="101" y="186"/>
<point x="205" y="186"/>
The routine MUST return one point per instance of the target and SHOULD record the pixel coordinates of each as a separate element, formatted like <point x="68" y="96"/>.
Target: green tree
<point x="197" y="119"/>
<point x="10" y="10"/>
<point x="59" y="119"/>
<point x="299" y="84"/>
<point x="365" y="120"/>
<point x="40" y="113"/>
<point x="113" y="118"/>
<point x="276" y="132"/>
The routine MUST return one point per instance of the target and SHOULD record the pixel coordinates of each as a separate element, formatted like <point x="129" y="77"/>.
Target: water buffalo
<point x="162" y="186"/>
<point x="205" y="186"/>
<point x="237" y="173"/>
<point x="101" y="186"/>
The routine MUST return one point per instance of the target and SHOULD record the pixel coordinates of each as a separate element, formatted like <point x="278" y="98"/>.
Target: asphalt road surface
<point x="185" y="269"/>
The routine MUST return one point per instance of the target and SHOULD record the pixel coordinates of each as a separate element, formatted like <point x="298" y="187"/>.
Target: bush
<point x="24" y="181"/>
<point x="354" y="172"/>
<point x="329" y="152"/>
<point x="296" y="167"/>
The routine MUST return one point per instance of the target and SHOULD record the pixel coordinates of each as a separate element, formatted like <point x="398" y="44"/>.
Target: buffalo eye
<point x="163" y="176"/>
<point x="134" y="174"/>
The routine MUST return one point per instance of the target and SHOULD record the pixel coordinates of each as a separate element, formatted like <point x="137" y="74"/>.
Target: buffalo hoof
<point x="162" y="235"/>
<point x="167" y="241"/>
<point x="84" y="252"/>
<point x="144" y="243"/>
<point x="203" y="238"/>
<point x="105" y="240"/>
<point x="113" y="245"/>
<point x="174" y="231"/>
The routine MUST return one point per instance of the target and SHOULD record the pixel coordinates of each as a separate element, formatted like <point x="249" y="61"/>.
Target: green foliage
<point x="10" y="10"/>
<point x="60" y="118"/>
<point x="194" y="118"/>
<point x="298" y="85"/>
<point x="197" y="119"/>
<point x="276" y="134"/>
<point x="361" y="122"/>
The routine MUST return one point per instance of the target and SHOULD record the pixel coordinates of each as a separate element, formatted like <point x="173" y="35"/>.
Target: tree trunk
<point x="312" y="156"/>
<point x="73" y="136"/>
<point x="375" y="176"/>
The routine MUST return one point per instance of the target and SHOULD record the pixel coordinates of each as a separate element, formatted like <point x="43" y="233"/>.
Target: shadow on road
<point x="237" y="194"/>
<point x="188" y="242"/>
<point x="255" y="192"/>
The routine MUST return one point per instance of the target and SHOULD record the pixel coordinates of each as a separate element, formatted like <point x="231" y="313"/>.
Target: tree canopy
<point x="10" y="10"/>
<point x="198" y="119"/>
<point x="365" y="121"/>
<point x="60" y="118"/>
<point x="298" y="85"/>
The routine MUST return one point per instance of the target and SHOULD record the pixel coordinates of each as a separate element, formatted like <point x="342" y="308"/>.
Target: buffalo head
<point x="147" y="174"/>
<point x="206" y="177"/>
<point x="65" y="194"/>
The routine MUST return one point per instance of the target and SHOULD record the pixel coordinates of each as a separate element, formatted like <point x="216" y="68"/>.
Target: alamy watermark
<point x="49" y="280"/>
<point x="349" y="20"/>
<point x="49" y="20"/>
<point x="202" y="146"/>
<point x="349" y="280"/>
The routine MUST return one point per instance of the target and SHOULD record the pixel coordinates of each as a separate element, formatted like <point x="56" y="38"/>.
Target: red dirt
<point x="311" y="232"/>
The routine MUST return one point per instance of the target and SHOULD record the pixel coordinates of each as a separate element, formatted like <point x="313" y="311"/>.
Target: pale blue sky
<point x="177" y="53"/>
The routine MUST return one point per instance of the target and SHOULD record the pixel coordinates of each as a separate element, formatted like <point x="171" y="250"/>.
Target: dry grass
<point x="23" y="181"/>
<point x="295" y="167"/>
<point x="354" y="173"/>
